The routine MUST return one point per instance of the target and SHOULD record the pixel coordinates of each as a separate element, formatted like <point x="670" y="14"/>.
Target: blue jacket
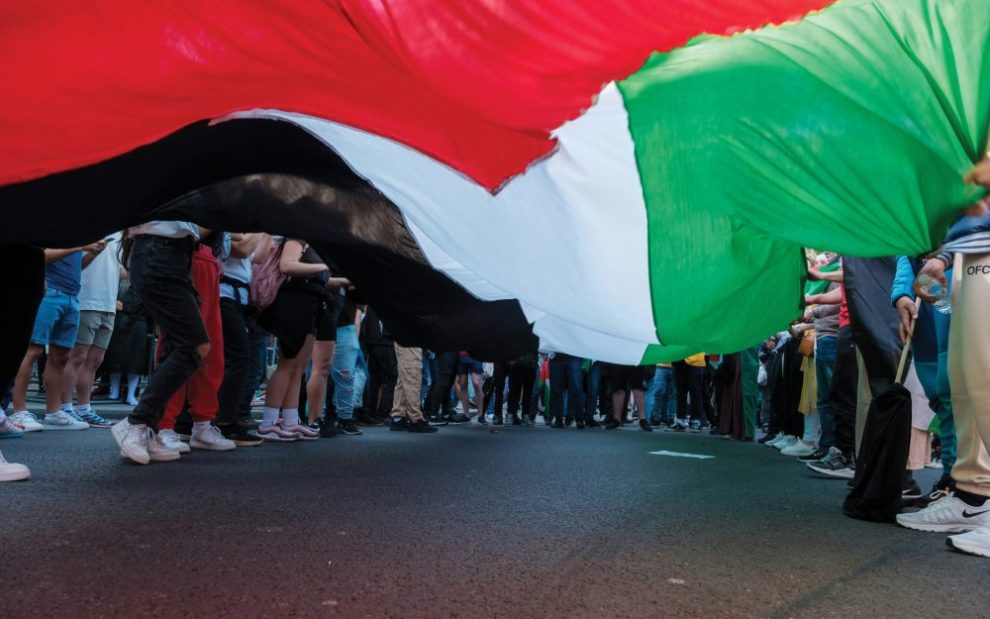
<point x="968" y="225"/>
<point x="907" y="269"/>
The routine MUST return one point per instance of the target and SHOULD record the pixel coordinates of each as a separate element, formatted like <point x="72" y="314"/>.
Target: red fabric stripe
<point x="477" y="85"/>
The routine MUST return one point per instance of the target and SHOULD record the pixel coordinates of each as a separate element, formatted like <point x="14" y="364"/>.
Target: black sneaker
<point x="458" y="418"/>
<point x="367" y="419"/>
<point x="612" y="424"/>
<point x="421" y="427"/>
<point x="568" y="421"/>
<point x="557" y="423"/>
<point x="327" y="428"/>
<point x="437" y="421"/>
<point x="516" y="419"/>
<point x="498" y="420"/>
<point x="482" y="419"/>
<point x="248" y="423"/>
<point x="911" y="492"/>
<point x="240" y="436"/>
<point x="399" y="424"/>
<point x="627" y="420"/>
<point x="645" y="426"/>
<point x="591" y="423"/>
<point x="654" y="422"/>
<point x="548" y="419"/>
<point x="579" y="424"/>
<point x="818" y="454"/>
<point x="349" y="426"/>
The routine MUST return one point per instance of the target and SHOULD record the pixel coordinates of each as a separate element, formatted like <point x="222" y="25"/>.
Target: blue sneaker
<point x="93" y="419"/>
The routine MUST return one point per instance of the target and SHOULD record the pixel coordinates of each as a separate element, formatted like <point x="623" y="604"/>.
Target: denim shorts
<point x="57" y="320"/>
<point x="466" y="364"/>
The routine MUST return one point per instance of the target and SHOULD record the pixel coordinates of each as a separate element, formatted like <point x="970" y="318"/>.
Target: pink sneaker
<point x="276" y="434"/>
<point x="303" y="432"/>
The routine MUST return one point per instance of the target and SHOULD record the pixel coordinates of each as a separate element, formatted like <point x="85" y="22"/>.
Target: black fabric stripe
<point x="250" y="175"/>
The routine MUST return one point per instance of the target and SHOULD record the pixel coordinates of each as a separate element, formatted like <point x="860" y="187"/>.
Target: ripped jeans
<point x="345" y="358"/>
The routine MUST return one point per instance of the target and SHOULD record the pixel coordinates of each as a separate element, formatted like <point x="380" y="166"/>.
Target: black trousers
<point x="237" y="363"/>
<point x="521" y="381"/>
<point x="24" y="270"/>
<point x="439" y="396"/>
<point x="159" y="271"/>
<point x="843" y="393"/>
<point x="499" y="378"/>
<point x="383" y="370"/>
<point x="690" y="380"/>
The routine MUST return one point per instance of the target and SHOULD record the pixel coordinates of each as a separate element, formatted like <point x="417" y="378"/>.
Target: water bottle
<point x="931" y="287"/>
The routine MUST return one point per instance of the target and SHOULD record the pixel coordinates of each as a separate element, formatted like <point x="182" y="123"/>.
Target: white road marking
<point x="681" y="454"/>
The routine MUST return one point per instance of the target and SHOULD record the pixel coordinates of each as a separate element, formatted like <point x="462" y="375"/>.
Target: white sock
<point x="114" y="385"/>
<point x="67" y="407"/>
<point x="200" y="426"/>
<point x="83" y="408"/>
<point x="269" y="416"/>
<point x="290" y="416"/>
<point x="132" y="385"/>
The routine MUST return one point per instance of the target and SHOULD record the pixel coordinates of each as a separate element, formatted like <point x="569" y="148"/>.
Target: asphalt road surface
<point x="464" y="523"/>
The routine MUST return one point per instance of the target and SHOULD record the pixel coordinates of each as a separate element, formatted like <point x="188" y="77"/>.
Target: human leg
<point x="236" y="361"/>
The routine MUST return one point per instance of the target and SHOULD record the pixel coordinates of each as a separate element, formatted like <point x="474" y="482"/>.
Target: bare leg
<point x="58" y="358"/>
<point x="73" y="367"/>
<point x="479" y="395"/>
<point x="24" y="377"/>
<point x="639" y="397"/>
<point x="462" y="393"/>
<point x="86" y="375"/>
<point x="618" y="410"/>
<point x="316" y="387"/>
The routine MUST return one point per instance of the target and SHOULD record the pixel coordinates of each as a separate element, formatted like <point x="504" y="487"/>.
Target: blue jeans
<point x="345" y="359"/>
<point x="661" y="403"/>
<point x="565" y="375"/>
<point x="825" y="353"/>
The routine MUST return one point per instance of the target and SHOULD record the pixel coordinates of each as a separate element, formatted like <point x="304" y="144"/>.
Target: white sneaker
<point x="947" y="515"/>
<point x="62" y="421"/>
<point x="302" y="432"/>
<point x="26" y="420"/>
<point x="781" y="438"/>
<point x="785" y="442"/>
<point x="976" y="542"/>
<point x="799" y="448"/>
<point x="276" y="434"/>
<point x="159" y="452"/>
<point x="11" y="471"/>
<point x="171" y="441"/>
<point x="133" y="440"/>
<point x="211" y="438"/>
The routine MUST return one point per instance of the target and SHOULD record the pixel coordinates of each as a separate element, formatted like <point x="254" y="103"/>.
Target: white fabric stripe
<point x="567" y="238"/>
<point x="976" y="243"/>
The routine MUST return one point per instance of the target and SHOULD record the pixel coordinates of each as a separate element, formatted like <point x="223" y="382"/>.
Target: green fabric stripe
<point x="849" y="130"/>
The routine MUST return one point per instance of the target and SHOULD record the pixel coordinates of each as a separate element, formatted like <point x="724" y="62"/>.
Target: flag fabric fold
<point x="662" y="214"/>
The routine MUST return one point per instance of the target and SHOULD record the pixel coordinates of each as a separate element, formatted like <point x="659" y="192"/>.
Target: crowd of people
<point x="196" y="312"/>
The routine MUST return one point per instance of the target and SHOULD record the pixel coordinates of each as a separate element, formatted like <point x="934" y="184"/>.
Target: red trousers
<point x="201" y="389"/>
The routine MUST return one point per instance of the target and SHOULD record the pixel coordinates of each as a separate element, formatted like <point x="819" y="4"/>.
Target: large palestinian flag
<point x="482" y="167"/>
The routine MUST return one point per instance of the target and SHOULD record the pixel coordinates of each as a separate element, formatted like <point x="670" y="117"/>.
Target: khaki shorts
<point x="95" y="328"/>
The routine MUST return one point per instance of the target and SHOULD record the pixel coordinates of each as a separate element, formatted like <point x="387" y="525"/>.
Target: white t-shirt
<point x="101" y="279"/>
<point x="168" y="229"/>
